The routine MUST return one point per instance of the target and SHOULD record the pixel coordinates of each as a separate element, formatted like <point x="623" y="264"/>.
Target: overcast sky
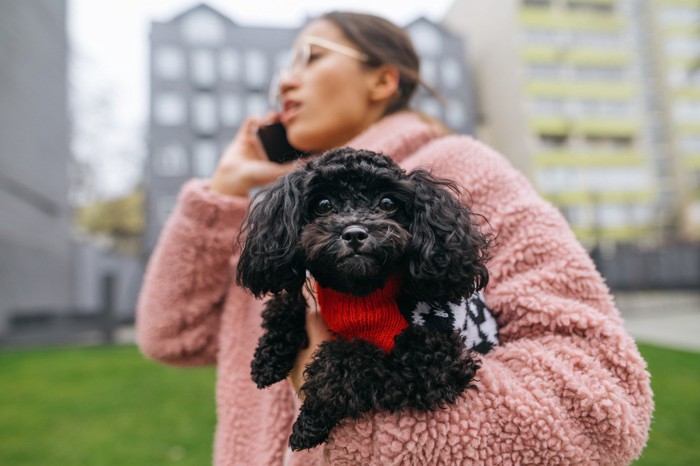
<point x="109" y="44"/>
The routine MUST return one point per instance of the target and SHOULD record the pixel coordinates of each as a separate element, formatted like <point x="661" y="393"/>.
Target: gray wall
<point x="92" y="263"/>
<point x="35" y="249"/>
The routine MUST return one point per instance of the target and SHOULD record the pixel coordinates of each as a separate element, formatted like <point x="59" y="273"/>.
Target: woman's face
<point x="329" y="101"/>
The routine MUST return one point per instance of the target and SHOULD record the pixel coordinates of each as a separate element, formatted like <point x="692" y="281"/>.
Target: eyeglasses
<point x="300" y="59"/>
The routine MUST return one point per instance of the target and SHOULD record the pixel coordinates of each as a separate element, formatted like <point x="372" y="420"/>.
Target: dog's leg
<point x="431" y="369"/>
<point x="425" y="370"/>
<point x="340" y="383"/>
<point x="284" y="324"/>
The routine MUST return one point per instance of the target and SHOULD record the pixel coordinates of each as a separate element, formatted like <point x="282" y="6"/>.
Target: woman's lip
<point x="289" y="113"/>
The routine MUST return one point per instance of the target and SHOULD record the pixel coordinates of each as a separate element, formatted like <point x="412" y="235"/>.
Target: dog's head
<point x="353" y="218"/>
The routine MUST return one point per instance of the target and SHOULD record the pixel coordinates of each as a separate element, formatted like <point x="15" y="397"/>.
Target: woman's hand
<point x="244" y="164"/>
<point x="317" y="332"/>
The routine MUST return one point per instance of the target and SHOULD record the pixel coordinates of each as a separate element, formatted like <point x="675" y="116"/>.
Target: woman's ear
<point x="270" y="260"/>
<point x="383" y="83"/>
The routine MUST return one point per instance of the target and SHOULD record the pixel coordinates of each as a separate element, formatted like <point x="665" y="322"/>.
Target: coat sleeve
<point x="566" y="386"/>
<point x="187" y="277"/>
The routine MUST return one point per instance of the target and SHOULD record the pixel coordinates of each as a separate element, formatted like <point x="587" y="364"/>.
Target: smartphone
<point x="274" y="140"/>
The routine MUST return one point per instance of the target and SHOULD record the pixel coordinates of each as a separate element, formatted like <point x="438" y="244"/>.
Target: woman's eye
<point x="313" y="55"/>
<point x="387" y="205"/>
<point x="323" y="206"/>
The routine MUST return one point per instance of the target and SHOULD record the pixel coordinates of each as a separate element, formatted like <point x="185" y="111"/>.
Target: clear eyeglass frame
<point x="299" y="59"/>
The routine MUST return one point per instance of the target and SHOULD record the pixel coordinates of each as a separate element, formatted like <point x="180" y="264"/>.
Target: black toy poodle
<point x="398" y="262"/>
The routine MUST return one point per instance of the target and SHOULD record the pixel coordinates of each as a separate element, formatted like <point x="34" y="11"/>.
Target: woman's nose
<point x="288" y="81"/>
<point x="281" y="83"/>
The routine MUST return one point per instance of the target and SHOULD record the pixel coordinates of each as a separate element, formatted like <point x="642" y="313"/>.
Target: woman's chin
<point x="307" y="140"/>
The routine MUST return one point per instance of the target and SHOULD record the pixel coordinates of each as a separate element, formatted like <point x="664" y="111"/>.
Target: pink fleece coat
<point x="566" y="386"/>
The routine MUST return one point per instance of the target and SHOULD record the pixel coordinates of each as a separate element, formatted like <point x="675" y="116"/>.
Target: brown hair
<point x="385" y="44"/>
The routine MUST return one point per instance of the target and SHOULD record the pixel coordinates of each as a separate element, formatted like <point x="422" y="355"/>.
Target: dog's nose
<point x="354" y="234"/>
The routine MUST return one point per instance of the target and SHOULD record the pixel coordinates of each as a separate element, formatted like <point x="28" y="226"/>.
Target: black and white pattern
<point x="471" y="318"/>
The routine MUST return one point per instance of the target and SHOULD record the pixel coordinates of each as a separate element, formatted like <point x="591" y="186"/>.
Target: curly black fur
<point x="279" y="345"/>
<point x="353" y="218"/>
<point x="426" y="370"/>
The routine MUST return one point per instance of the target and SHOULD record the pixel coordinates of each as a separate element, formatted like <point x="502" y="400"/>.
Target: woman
<point x="566" y="386"/>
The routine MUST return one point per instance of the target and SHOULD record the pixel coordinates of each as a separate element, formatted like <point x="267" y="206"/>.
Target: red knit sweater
<point x="375" y="318"/>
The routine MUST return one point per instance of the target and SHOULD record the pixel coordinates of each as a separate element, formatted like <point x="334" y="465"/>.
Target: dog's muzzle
<point x="354" y="236"/>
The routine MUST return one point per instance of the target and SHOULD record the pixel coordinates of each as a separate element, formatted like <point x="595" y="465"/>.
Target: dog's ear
<point x="447" y="254"/>
<point x="270" y="260"/>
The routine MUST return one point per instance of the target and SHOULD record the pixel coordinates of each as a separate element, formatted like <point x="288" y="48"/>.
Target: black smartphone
<point x="274" y="140"/>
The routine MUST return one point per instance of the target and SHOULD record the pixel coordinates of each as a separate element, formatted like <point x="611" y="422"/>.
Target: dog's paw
<point x="265" y="374"/>
<point x="308" y="432"/>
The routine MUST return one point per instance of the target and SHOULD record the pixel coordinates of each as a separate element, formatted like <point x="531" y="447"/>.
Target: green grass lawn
<point x="102" y="407"/>
<point x="108" y="406"/>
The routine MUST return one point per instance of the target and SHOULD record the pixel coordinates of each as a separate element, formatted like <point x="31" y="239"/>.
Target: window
<point x="549" y="107"/>
<point x="452" y="73"/>
<point x="170" y="160"/>
<point x="680" y="15"/>
<point x="203" y="68"/>
<point x="204" y="119"/>
<point x="544" y="37"/>
<point x="203" y="27"/>
<point x="544" y="71"/>
<point x="427" y="39"/>
<point x="430" y="106"/>
<point x="231" y="111"/>
<point x="691" y="144"/>
<point x="164" y="205"/>
<point x="169" y="63"/>
<point x="687" y="111"/>
<point x="205" y="156"/>
<point x="554" y="179"/>
<point x="598" y="39"/>
<point x="256" y="69"/>
<point x="256" y="104"/>
<point x="621" y="179"/>
<point x="553" y="142"/>
<point x="584" y="6"/>
<point x="607" y="144"/>
<point x="683" y="47"/>
<point x="676" y="77"/>
<point x="577" y="215"/>
<point x="621" y="142"/>
<point x="693" y="76"/>
<point x="612" y="215"/>
<point x="599" y="73"/>
<point x="641" y="214"/>
<point x="455" y="115"/>
<point x="169" y="109"/>
<point x="604" y="108"/>
<point x="229" y="64"/>
<point x="429" y="72"/>
<point x="537" y="3"/>
<point x="282" y="59"/>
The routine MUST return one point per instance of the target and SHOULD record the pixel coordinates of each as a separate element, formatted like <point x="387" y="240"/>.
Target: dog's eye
<point x="323" y="206"/>
<point x="387" y="205"/>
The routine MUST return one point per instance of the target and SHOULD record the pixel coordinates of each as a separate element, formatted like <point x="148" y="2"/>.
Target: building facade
<point x="565" y="91"/>
<point x="209" y="73"/>
<point x="35" y="245"/>
<point x="676" y="45"/>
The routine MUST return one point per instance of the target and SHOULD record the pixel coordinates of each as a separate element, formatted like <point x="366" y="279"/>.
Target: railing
<point x="670" y="267"/>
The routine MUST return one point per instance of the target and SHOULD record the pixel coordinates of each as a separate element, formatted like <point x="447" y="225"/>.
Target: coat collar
<point x="398" y="135"/>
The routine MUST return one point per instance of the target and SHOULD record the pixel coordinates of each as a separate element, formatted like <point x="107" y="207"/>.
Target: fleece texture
<point x="567" y="384"/>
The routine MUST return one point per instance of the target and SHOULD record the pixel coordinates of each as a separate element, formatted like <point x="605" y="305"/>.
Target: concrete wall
<point x="35" y="247"/>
